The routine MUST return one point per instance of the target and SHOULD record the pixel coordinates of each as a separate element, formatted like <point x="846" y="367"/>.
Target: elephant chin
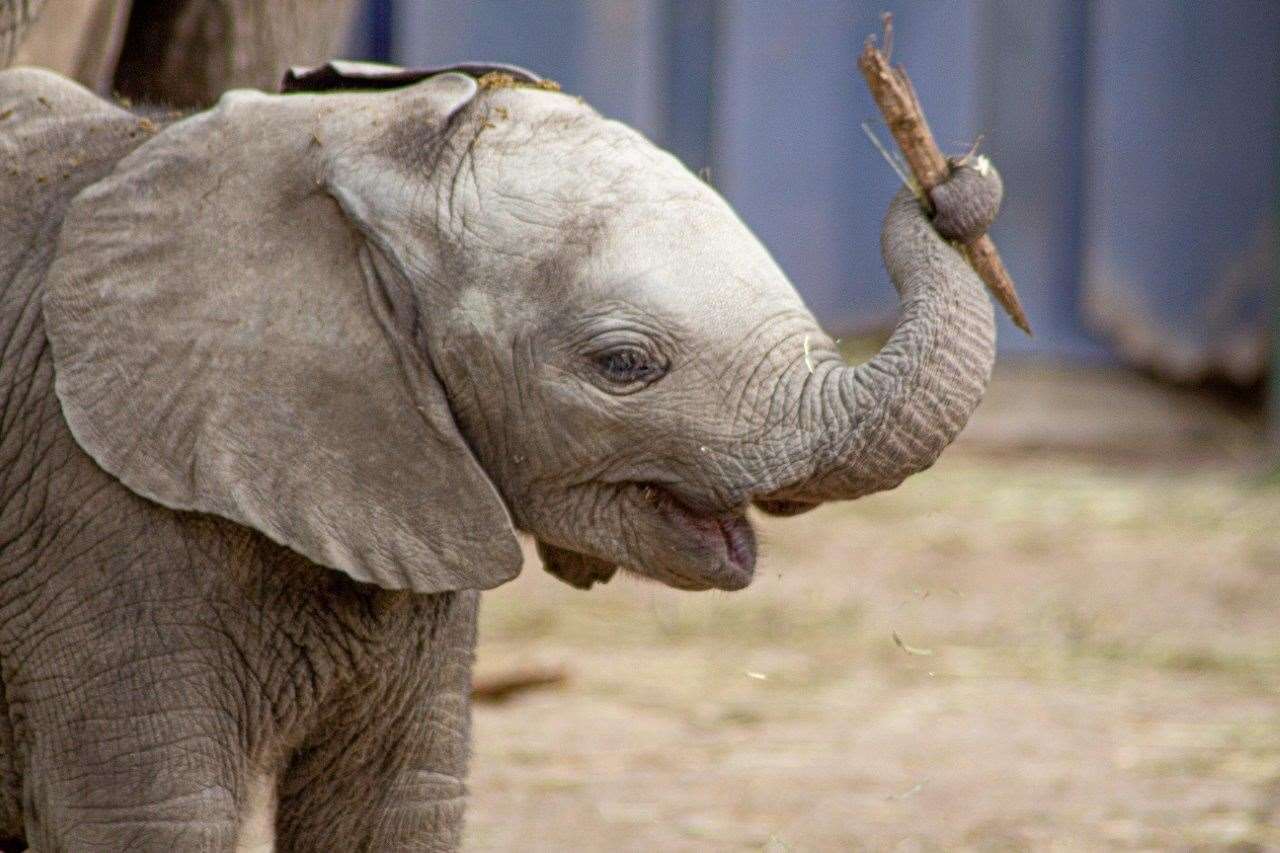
<point x="580" y="571"/>
<point x="684" y="547"/>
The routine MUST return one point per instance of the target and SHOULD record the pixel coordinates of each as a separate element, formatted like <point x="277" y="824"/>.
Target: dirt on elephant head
<point x="503" y="80"/>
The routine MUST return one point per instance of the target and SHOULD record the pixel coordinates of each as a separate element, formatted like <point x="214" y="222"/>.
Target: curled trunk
<point x="878" y="423"/>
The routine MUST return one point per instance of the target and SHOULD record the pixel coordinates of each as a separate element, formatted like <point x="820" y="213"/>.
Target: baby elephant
<point x="281" y="380"/>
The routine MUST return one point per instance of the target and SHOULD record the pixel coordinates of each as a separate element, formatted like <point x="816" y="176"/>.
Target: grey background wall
<point x="1139" y="141"/>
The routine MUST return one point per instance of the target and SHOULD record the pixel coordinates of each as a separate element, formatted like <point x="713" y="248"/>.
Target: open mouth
<point x="783" y="507"/>
<point x="722" y="543"/>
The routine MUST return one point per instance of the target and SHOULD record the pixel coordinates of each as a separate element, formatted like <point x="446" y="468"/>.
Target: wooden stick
<point x="500" y="686"/>
<point x="900" y="107"/>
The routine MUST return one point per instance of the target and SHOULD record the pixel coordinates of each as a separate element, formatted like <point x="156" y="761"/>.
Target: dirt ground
<point x="1087" y="595"/>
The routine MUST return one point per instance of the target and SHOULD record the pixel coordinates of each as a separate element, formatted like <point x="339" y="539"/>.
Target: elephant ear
<point x="224" y="343"/>
<point x="345" y="74"/>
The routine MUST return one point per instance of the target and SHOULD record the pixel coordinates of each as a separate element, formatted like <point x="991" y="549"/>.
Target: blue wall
<point x="1138" y="141"/>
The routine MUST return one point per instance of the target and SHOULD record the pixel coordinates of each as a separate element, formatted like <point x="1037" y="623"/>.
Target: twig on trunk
<point x="900" y="107"/>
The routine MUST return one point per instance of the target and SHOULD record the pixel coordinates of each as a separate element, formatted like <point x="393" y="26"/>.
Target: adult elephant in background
<point x="283" y="379"/>
<point x="178" y="53"/>
<point x="16" y="17"/>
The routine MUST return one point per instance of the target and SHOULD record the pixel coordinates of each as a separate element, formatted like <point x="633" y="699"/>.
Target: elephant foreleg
<point x="385" y="770"/>
<point x="146" y="755"/>
<point x="138" y="802"/>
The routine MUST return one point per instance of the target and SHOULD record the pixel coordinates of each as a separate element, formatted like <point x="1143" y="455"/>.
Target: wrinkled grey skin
<point x="237" y="583"/>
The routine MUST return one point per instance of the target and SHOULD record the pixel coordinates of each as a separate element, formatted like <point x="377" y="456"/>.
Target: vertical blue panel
<point x="1180" y="224"/>
<point x="789" y="151"/>
<point x="1137" y="141"/>
<point x="605" y="52"/>
<point x="1031" y="108"/>
<point x="688" y="45"/>
<point x="1273" y="367"/>
<point x="620" y="61"/>
<point x="370" y="36"/>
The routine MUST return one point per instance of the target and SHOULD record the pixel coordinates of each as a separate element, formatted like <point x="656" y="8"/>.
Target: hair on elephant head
<point x="389" y="328"/>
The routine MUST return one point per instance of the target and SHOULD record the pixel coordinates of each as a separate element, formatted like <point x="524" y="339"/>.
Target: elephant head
<point x="390" y="328"/>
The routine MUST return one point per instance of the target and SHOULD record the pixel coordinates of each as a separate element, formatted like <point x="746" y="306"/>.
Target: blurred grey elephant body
<point x="378" y="333"/>
<point x="178" y="53"/>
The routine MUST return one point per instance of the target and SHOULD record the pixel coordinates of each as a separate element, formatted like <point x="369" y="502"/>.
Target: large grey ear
<point x="222" y="345"/>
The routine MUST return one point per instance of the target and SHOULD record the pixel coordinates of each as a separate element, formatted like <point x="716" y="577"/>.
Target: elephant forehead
<point x="536" y="144"/>
<point x="589" y="200"/>
<point x="704" y="276"/>
<point x="554" y="203"/>
<point x="698" y="247"/>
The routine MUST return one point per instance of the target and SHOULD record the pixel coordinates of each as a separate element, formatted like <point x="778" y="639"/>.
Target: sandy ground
<point x="1091" y="616"/>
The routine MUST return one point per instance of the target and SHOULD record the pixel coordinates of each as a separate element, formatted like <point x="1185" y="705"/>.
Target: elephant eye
<point x="629" y="367"/>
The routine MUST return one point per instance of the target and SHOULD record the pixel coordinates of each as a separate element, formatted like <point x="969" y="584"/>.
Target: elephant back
<point x="56" y="138"/>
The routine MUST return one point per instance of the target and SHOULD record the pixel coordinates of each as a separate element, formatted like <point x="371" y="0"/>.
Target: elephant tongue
<point x="577" y="570"/>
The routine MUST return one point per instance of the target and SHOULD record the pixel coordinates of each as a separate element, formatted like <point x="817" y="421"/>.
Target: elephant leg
<point x="373" y="784"/>
<point x="385" y="770"/>
<point x="138" y="802"/>
<point x="10" y="787"/>
<point x="146" y="750"/>
<point x="365" y="809"/>
<point x="161" y="794"/>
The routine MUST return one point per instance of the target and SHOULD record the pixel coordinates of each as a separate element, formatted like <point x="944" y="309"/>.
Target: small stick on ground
<point x="501" y="686"/>
<point x="900" y="107"/>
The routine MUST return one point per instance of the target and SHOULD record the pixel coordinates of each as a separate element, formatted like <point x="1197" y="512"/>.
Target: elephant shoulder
<point x="38" y="90"/>
<point x="56" y="138"/>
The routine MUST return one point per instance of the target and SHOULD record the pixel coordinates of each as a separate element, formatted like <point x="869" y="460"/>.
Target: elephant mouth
<point x="720" y="545"/>
<point x="783" y="507"/>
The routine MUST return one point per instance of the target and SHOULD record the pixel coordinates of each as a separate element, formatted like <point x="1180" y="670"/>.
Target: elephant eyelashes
<point x="628" y="368"/>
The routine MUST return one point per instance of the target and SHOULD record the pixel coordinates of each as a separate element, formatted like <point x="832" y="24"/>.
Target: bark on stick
<point x="897" y="100"/>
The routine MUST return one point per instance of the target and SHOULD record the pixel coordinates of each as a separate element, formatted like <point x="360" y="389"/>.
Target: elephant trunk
<point x="873" y="425"/>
